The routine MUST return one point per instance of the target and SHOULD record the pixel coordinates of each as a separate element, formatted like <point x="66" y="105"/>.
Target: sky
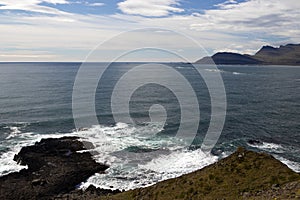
<point x="69" y="30"/>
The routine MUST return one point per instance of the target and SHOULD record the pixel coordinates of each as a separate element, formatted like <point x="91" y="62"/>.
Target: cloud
<point x="256" y="13"/>
<point x="226" y="4"/>
<point x="32" y="6"/>
<point x="150" y="8"/>
<point x="273" y="18"/>
<point x="236" y="26"/>
<point x="242" y="27"/>
<point x="96" y="4"/>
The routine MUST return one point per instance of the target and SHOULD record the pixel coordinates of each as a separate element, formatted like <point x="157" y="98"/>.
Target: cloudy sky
<point x="68" y="30"/>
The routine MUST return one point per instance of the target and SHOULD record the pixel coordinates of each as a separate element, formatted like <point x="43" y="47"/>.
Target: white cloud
<point x="274" y="19"/>
<point x="150" y="8"/>
<point x="32" y="6"/>
<point x="240" y="27"/>
<point x="56" y="1"/>
<point x="255" y="14"/>
<point x="31" y="55"/>
<point x="96" y="4"/>
<point x="226" y="4"/>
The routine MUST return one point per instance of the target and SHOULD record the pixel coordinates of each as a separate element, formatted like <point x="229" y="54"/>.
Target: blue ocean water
<point x="262" y="104"/>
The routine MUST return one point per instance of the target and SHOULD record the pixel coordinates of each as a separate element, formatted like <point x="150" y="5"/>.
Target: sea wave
<point x="132" y="175"/>
<point x="214" y="70"/>
<point x="138" y="156"/>
<point x="270" y="147"/>
<point x="155" y="158"/>
<point x="278" y="151"/>
<point x="236" y="73"/>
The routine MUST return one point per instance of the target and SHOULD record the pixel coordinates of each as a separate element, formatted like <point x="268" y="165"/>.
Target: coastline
<point x="55" y="169"/>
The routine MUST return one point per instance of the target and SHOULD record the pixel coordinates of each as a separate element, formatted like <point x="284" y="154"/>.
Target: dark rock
<point x="90" y="193"/>
<point x="234" y="59"/>
<point x="254" y="142"/>
<point x="40" y="182"/>
<point x="226" y="58"/>
<point x="54" y="167"/>
<point x="101" y="192"/>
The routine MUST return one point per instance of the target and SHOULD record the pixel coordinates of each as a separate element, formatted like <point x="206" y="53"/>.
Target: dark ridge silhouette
<point x="267" y="55"/>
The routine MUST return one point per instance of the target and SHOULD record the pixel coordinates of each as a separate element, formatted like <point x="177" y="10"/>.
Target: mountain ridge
<point x="283" y="55"/>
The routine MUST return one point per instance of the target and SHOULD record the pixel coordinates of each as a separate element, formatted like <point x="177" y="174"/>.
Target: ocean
<point x="263" y="104"/>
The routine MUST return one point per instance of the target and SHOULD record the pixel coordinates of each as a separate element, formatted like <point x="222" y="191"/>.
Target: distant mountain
<point x="288" y="54"/>
<point x="226" y="58"/>
<point x="267" y="55"/>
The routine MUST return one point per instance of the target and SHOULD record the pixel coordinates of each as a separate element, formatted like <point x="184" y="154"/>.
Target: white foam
<point x="271" y="147"/>
<point x="183" y="67"/>
<point x="236" y="73"/>
<point x="276" y="149"/>
<point x="222" y="71"/>
<point x="179" y="162"/>
<point x="14" y="131"/>
<point x="8" y="165"/>
<point x="129" y="170"/>
<point x="167" y="158"/>
<point x="213" y="70"/>
<point x="295" y="166"/>
<point x="15" y="143"/>
<point x="105" y="139"/>
<point x="124" y="176"/>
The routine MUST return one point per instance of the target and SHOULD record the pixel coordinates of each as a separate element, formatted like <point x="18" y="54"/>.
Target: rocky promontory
<point x="55" y="167"/>
<point x="242" y="175"/>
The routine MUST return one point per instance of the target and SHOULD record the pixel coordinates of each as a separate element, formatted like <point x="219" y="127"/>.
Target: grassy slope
<point x="243" y="175"/>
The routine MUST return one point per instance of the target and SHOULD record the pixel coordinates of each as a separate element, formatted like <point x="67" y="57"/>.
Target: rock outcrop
<point x="54" y="167"/>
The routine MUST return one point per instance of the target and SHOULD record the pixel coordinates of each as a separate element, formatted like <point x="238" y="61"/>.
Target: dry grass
<point x="244" y="172"/>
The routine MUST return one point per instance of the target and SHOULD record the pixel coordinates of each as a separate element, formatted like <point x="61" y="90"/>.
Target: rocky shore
<point x="56" y="167"/>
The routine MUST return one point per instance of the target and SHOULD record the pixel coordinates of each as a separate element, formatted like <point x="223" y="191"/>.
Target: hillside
<point x="242" y="175"/>
<point x="289" y="55"/>
<point x="267" y="55"/>
<point x="226" y="58"/>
